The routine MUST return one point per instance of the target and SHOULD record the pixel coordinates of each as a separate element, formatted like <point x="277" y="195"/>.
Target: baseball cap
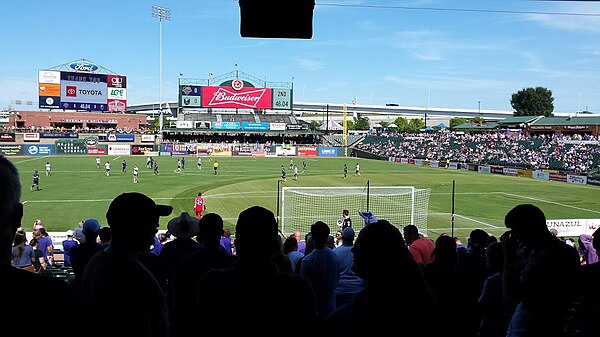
<point x="127" y="205"/>
<point x="184" y="226"/>
<point x="91" y="226"/>
<point x="348" y="233"/>
<point x="69" y="233"/>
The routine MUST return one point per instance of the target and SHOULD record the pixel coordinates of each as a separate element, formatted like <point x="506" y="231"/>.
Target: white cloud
<point x="310" y="65"/>
<point x="569" y="22"/>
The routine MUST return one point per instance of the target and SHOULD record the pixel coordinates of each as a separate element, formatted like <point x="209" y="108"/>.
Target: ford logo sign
<point x="83" y="67"/>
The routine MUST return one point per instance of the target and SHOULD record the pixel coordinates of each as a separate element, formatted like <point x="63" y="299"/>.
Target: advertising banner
<point x="101" y="150"/>
<point x="307" y="151"/>
<point x="510" y="172"/>
<point x="244" y="149"/>
<point x="48" y="89"/>
<point x="148" y="138"/>
<point x="8" y="137"/>
<point x="49" y="76"/>
<point x="39" y="150"/>
<point x="59" y="135"/>
<point x="183" y="149"/>
<point x="221" y="150"/>
<point x="296" y="126"/>
<point x="277" y="126"/>
<point x="328" y="151"/>
<point x="70" y="146"/>
<point x="419" y="162"/>
<point x="141" y="149"/>
<point x="237" y="97"/>
<point x="120" y="137"/>
<point x="119" y="150"/>
<point x="117" y="93"/>
<point x="116" y="105"/>
<point x="184" y="124"/>
<point x="83" y="91"/>
<point x="166" y="148"/>
<point x="397" y="160"/>
<point x="255" y="126"/>
<point x="434" y="163"/>
<point x="593" y="181"/>
<point x="48" y="102"/>
<point x="31" y="137"/>
<point x="116" y="81"/>
<point x="484" y="169"/>
<point x="270" y="151"/>
<point x="537" y="174"/>
<point x="576" y="179"/>
<point x="453" y="166"/>
<point x="11" y="150"/>
<point x="573" y="227"/>
<point x="558" y="176"/>
<point x="203" y="150"/>
<point x="496" y="169"/>
<point x="285" y="151"/>
<point x="404" y="160"/>
<point x="226" y="125"/>
<point x="202" y="124"/>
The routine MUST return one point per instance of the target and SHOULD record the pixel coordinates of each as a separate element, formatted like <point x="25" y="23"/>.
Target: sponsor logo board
<point x="228" y="97"/>
<point x="31" y="137"/>
<point x="49" y="89"/>
<point x="119" y="150"/>
<point x="49" y="76"/>
<point x="39" y="150"/>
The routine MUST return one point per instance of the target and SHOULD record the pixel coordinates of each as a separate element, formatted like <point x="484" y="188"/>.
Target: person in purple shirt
<point x="44" y="244"/>
<point x="587" y="250"/>
<point x="301" y="243"/>
<point x="67" y="244"/>
<point x="227" y="242"/>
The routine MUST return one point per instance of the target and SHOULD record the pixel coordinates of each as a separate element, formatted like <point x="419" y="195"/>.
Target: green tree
<point x="154" y="123"/>
<point x="477" y="120"/>
<point x="415" y="125"/>
<point x="314" y="125"/>
<point x="456" y="121"/>
<point x="402" y="124"/>
<point x="362" y="123"/>
<point x="533" y="102"/>
<point x="351" y="125"/>
<point x="384" y="125"/>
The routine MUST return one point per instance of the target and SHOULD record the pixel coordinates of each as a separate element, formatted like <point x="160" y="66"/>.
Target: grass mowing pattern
<point x="76" y="190"/>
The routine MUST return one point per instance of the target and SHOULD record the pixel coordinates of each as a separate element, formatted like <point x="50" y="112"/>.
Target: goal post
<point x="400" y="205"/>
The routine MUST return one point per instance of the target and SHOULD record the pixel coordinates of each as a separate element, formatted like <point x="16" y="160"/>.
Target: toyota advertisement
<point x="82" y="88"/>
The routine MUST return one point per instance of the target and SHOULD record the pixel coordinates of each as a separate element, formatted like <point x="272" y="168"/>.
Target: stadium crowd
<point x="574" y="153"/>
<point x="381" y="280"/>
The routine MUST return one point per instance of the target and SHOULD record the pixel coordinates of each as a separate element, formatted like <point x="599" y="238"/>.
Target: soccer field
<point x="76" y="190"/>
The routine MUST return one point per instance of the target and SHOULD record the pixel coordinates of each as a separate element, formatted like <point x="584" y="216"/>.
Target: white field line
<point x="476" y="221"/>
<point x="117" y="157"/>
<point x="214" y="196"/>
<point x="551" y="202"/>
<point x="35" y="158"/>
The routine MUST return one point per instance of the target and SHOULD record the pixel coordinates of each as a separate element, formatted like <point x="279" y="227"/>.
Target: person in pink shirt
<point x="420" y="247"/>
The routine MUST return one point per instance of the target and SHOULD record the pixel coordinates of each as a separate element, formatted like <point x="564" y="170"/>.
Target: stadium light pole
<point x="161" y="13"/>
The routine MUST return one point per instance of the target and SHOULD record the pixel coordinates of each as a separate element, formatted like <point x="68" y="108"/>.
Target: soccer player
<point x="48" y="168"/>
<point x="346" y="221"/>
<point x="291" y="163"/>
<point x="199" y="164"/>
<point x="199" y="205"/>
<point x="295" y="172"/>
<point x="124" y="166"/>
<point x="36" y="181"/>
<point x="178" y="166"/>
<point x="136" y="173"/>
<point x="155" y="167"/>
<point x="345" y="171"/>
<point x="303" y="165"/>
<point x="98" y="163"/>
<point x="149" y="162"/>
<point x="107" y="168"/>
<point x="283" y="173"/>
<point x="357" y="170"/>
<point x="216" y="166"/>
<point x="183" y="163"/>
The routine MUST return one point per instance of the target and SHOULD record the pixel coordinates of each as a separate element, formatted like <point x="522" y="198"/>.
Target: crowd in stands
<point x="74" y="129"/>
<point x="241" y="138"/>
<point x="381" y="280"/>
<point x="574" y="153"/>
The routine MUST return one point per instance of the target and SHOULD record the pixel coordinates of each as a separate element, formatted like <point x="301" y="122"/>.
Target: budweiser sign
<point x="245" y="98"/>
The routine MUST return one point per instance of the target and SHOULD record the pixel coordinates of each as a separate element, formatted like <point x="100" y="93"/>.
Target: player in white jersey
<point x="295" y="172"/>
<point x="199" y="163"/>
<point x="357" y="170"/>
<point x="48" y="168"/>
<point x="98" y="163"/>
<point x="107" y="168"/>
<point x="136" y="173"/>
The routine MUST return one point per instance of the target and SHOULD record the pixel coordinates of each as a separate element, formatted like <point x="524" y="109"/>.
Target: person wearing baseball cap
<point x="121" y="294"/>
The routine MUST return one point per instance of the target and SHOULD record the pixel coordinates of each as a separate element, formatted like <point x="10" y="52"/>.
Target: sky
<point x="437" y="53"/>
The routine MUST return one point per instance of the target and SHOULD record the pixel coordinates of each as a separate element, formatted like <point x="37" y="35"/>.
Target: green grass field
<point x="76" y="190"/>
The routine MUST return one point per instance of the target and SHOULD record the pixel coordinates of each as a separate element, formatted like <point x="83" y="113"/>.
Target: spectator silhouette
<point x="290" y="249"/>
<point x="105" y="235"/>
<point x="349" y="284"/>
<point x="396" y="295"/>
<point x="17" y="282"/>
<point x="455" y="296"/>
<point x="590" y="294"/>
<point x="420" y="247"/>
<point x="67" y="245"/>
<point x="321" y="267"/>
<point x="190" y="270"/>
<point x="123" y="298"/>
<point x="82" y="253"/>
<point x="254" y="287"/>
<point x="547" y="262"/>
<point x="494" y="314"/>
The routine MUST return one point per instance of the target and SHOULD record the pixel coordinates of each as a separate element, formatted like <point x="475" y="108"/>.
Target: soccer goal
<point x="400" y="205"/>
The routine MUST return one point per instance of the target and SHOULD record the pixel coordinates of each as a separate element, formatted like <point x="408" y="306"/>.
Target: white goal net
<point x="400" y="205"/>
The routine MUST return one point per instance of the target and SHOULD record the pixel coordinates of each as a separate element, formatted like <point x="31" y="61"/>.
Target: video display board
<point x="82" y="89"/>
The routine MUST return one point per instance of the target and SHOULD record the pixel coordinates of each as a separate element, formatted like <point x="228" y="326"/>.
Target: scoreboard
<point x="82" y="89"/>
